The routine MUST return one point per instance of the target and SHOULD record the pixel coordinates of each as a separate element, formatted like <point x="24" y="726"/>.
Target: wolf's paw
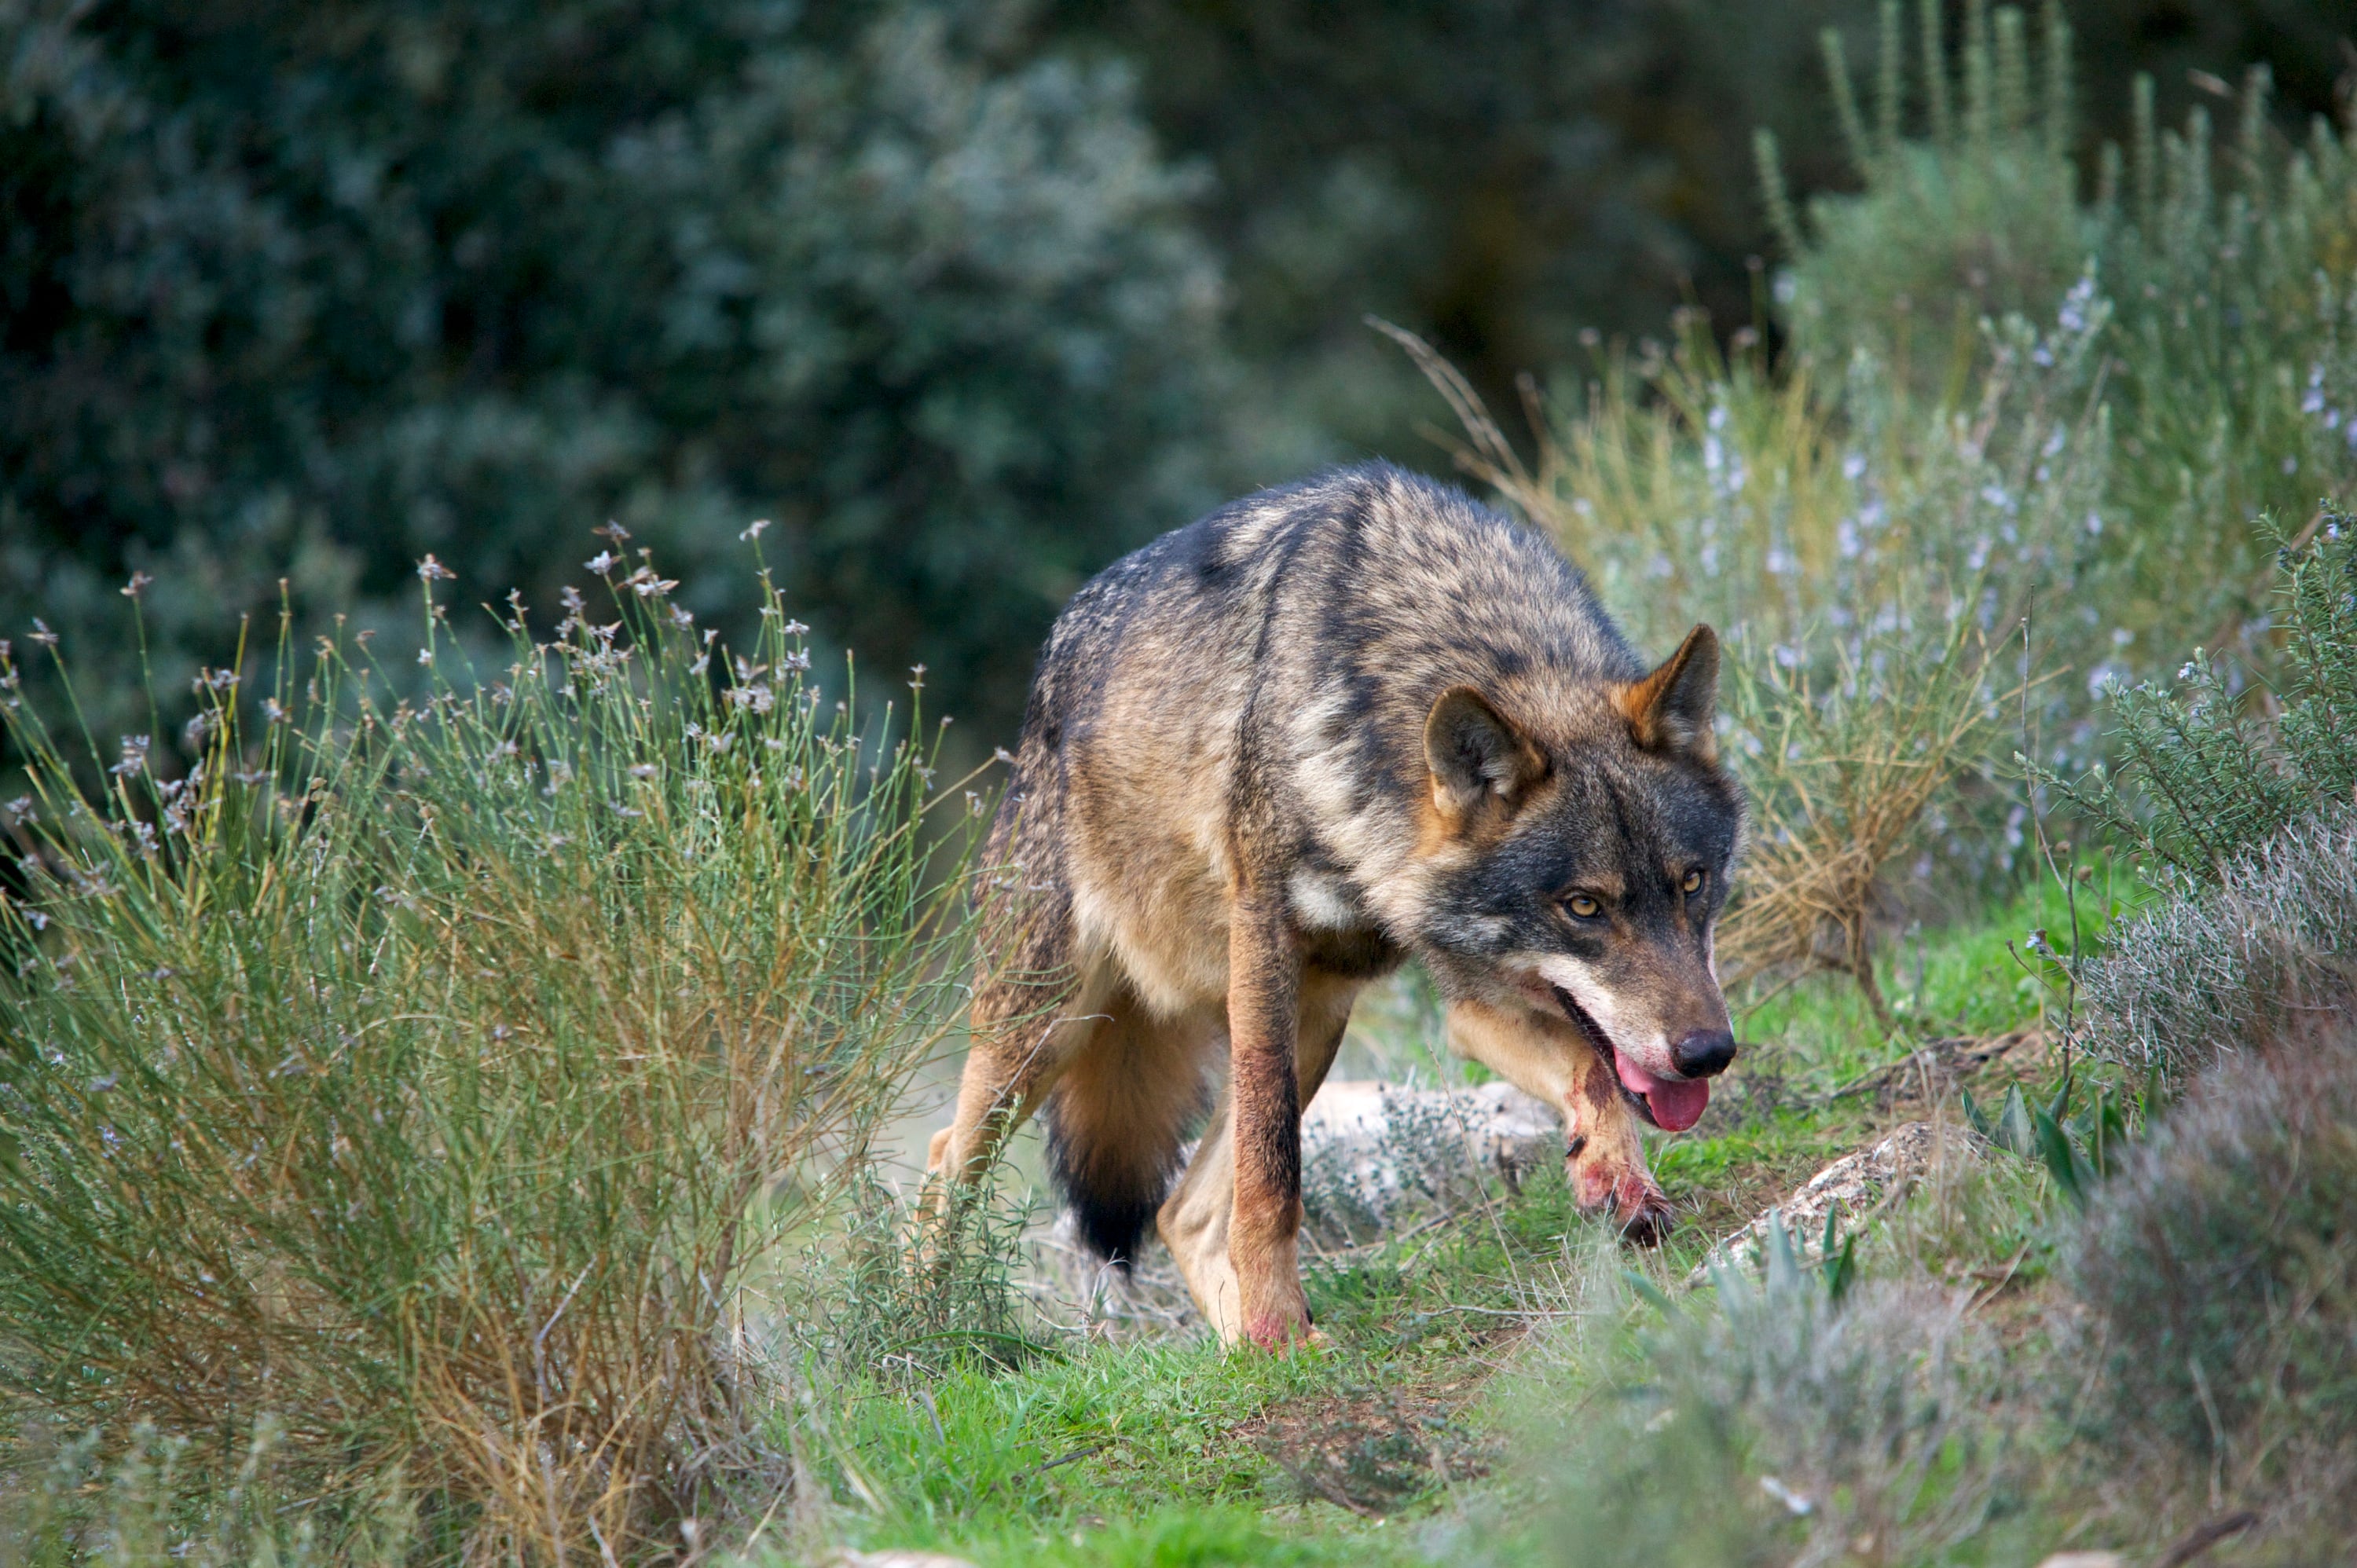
<point x="1612" y="1188"/>
<point x="1644" y="1213"/>
<point x="1282" y="1330"/>
<point x="1282" y="1338"/>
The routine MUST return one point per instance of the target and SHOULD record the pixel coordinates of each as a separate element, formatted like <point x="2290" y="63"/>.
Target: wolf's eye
<point x="1692" y="885"/>
<point x="1581" y="905"/>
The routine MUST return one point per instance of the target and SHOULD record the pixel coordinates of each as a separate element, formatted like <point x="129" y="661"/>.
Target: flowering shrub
<point x="2206" y="782"/>
<point x="424" y="1074"/>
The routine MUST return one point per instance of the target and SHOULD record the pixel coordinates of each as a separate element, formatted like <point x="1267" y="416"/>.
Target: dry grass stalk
<point x="1839" y="782"/>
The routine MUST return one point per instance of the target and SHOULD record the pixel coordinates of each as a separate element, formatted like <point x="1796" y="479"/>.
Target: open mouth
<point x="1672" y="1104"/>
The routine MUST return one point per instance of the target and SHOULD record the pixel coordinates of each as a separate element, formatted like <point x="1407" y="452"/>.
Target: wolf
<point x="1268" y="758"/>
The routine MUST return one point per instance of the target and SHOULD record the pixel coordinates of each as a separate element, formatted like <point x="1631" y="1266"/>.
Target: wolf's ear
<point x="1476" y="756"/>
<point x="1671" y="709"/>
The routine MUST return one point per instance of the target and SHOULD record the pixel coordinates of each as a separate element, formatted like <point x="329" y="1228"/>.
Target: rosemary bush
<point x="1977" y="216"/>
<point x="1798" y="1416"/>
<point x="2218" y="1275"/>
<point x="2200" y="779"/>
<point x="2228" y="350"/>
<point x="418" y="1074"/>
<point x="2220" y="971"/>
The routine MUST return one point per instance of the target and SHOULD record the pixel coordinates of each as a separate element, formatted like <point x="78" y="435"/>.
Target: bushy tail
<point x="1117" y="1122"/>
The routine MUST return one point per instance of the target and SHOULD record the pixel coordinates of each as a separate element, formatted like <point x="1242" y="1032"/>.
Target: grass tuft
<point x="421" y="1072"/>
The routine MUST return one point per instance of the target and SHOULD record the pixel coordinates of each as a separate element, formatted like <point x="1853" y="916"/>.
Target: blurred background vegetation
<point x="967" y="297"/>
<point x="1987" y="374"/>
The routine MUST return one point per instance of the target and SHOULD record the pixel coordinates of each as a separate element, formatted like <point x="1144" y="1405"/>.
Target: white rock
<point x="1852" y="1185"/>
<point x="1499" y="1122"/>
<point x="1375" y="1156"/>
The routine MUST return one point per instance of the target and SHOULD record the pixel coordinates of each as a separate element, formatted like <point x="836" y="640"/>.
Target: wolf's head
<point x="1576" y="861"/>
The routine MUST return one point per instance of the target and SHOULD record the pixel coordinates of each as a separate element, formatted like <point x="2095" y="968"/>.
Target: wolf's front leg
<point x="1265" y="1121"/>
<point x="1198" y="1218"/>
<point x="1551" y="1060"/>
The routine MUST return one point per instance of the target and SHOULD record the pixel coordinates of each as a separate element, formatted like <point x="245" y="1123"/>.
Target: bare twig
<point x="2197" y="1542"/>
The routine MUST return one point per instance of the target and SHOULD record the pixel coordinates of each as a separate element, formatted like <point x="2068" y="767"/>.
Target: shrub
<point x="2229" y="353"/>
<point x="1783" y="1425"/>
<point x="2235" y="340"/>
<point x="422" y="1075"/>
<point x="141" y="1504"/>
<point x="1700" y="487"/>
<point x="2217" y="973"/>
<point x="2206" y="780"/>
<point x="1977" y="218"/>
<point x="2219" y="1270"/>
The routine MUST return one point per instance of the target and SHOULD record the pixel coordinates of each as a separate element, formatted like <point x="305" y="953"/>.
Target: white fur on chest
<point x="1324" y="902"/>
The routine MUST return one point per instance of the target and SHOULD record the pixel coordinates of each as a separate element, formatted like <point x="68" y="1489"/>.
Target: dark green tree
<point x="967" y="295"/>
<point x="312" y="290"/>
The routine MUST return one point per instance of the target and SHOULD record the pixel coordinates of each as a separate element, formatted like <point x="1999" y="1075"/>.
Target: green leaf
<point x="2017" y="1130"/>
<point x="2061" y="1161"/>
<point x="1840" y="1270"/>
<point x="1647" y="1290"/>
<point x="2058" y="1107"/>
<point x="1975" y="1115"/>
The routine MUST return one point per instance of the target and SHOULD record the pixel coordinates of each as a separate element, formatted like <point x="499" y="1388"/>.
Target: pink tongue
<point x="1676" y="1104"/>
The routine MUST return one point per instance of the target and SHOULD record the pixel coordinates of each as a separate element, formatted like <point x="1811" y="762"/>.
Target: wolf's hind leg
<point x="1551" y="1060"/>
<point x="1024" y="1035"/>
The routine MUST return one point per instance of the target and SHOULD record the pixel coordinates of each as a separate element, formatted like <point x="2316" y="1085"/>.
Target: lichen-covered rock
<point x="1374" y="1154"/>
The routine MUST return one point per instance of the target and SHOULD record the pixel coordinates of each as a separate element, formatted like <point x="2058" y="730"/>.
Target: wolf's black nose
<point x="1704" y="1054"/>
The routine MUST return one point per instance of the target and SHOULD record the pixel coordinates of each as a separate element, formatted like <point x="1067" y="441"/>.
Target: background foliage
<point x="968" y="295"/>
<point x="311" y="291"/>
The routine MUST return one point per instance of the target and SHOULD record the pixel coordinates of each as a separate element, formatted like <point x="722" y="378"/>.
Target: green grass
<point x="1169" y="1450"/>
<point x="1147" y="1435"/>
<point x="1959" y="979"/>
<point x="1173" y="1452"/>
